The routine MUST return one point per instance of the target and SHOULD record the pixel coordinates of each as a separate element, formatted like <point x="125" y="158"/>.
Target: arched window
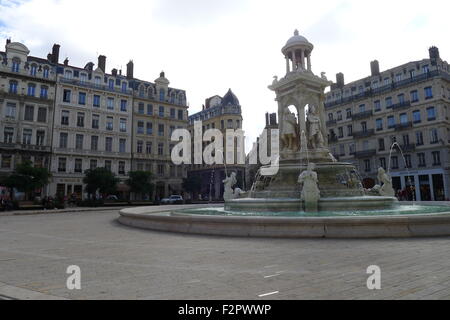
<point x="162" y="95"/>
<point x="141" y="91"/>
<point x="15" y="64"/>
<point x="13" y="86"/>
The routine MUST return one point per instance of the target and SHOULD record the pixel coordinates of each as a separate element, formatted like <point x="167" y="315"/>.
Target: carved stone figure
<point x="289" y="135"/>
<point x="229" y="183"/>
<point x="310" y="192"/>
<point x="315" y="137"/>
<point x="385" y="187"/>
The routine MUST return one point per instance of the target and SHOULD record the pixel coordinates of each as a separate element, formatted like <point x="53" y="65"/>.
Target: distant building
<point x="220" y="113"/>
<point x="408" y="104"/>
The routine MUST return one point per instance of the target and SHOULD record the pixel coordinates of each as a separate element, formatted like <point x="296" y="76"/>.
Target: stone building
<point x="157" y="111"/>
<point x="408" y="105"/>
<point x="220" y="113"/>
<point x="27" y="92"/>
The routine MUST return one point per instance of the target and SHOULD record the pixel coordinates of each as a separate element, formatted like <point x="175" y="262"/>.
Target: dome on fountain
<point x="296" y="42"/>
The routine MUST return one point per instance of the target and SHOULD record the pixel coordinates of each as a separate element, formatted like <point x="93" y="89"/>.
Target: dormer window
<point x="68" y="74"/>
<point x="33" y="70"/>
<point x="45" y="73"/>
<point x="124" y="86"/>
<point x="83" y="77"/>
<point x="111" y="84"/>
<point x="162" y="95"/>
<point x="98" y="81"/>
<point x="15" y="65"/>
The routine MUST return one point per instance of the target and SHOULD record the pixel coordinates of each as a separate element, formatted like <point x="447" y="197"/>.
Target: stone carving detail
<point x="229" y="183"/>
<point x="384" y="188"/>
<point x="289" y="134"/>
<point x="314" y="126"/>
<point x="310" y="192"/>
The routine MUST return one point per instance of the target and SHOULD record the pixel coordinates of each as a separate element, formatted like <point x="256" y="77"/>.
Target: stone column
<point x="430" y="177"/>
<point x="302" y="59"/>
<point x="308" y="57"/>
<point x="294" y="61"/>
<point x="288" y="68"/>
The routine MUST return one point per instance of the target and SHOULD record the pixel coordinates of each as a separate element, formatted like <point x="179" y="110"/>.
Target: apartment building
<point x="27" y="92"/>
<point x="220" y="113"/>
<point x="409" y="106"/>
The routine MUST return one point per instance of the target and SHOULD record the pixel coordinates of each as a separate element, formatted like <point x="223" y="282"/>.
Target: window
<point x="13" y="87"/>
<point x="391" y="122"/>
<point x="367" y="165"/>
<point x="434" y="137"/>
<point x="68" y="74"/>
<point x="403" y="118"/>
<point x="93" y="164"/>
<point x="62" y="162"/>
<point x="111" y="84"/>
<point x="340" y="132"/>
<point x="414" y="96"/>
<point x="82" y="98"/>
<point x="44" y="92"/>
<point x="172" y="113"/>
<point x="407" y="161"/>
<point x="123" y="105"/>
<point x="180" y="114"/>
<point x="10" y="110"/>
<point x="122" y="167"/>
<point x="42" y="115"/>
<point x="230" y="124"/>
<point x="406" y="139"/>
<point x="436" y="158"/>
<point x="122" y="145"/>
<point x="15" y="65"/>
<point x="45" y="73"/>
<point x="425" y="69"/>
<point x="96" y="101"/>
<point x="381" y="146"/>
<point x="63" y="138"/>
<point x="339" y="115"/>
<point x="421" y="159"/>
<point x="140" y="127"/>
<point x="349" y="113"/>
<point x="428" y="93"/>
<point x="80" y="119"/>
<point x="342" y="150"/>
<point x="383" y="163"/>
<point x="362" y="108"/>
<point x="238" y="124"/>
<point x="6" y="161"/>
<point x="398" y="77"/>
<point x="108" y="144"/>
<point x="123" y="125"/>
<point x="33" y="70"/>
<point x="350" y="130"/>
<point x="364" y="126"/>
<point x="161" y="130"/>
<point x="171" y="130"/>
<point x="148" y="148"/>
<point x="394" y="162"/>
<point x="388" y="102"/>
<point x="161" y="111"/>
<point x="65" y="118"/>
<point x="109" y="123"/>
<point x="79" y="141"/>
<point x="27" y="134"/>
<point x="66" y="95"/>
<point x="94" y="143"/>
<point x="40" y="137"/>
<point x="419" y="138"/>
<point x="98" y="81"/>
<point x="377" y="105"/>
<point x="431" y="112"/>
<point x="78" y="166"/>
<point x="141" y="108"/>
<point x="416" y="116"/>
<point x="95" y="121"/>
<point x="149" y="128"/>
<point x="108" y="165"/>
<point x="8" y="135"/>
<point x="29" y="113"/>
<point x="110" y="103"/>
<point x="124" y="86"/>
<point x="160" y="169"/>
<point x="31" y="90"/>
<point x="379" y="124"/>
<point x="140" y="147"/>
<point x="330" y="117"/>
<point x="351" y="149"/>
<point x="83" y="78"/>
<point x="162" y="95"/>
<point x="160" y="149"/>
<point x="150" y="109"/>
<point x="401" y="98"/>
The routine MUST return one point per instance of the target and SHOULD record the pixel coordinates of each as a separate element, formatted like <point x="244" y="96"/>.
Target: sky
<point x="208" y="46"/>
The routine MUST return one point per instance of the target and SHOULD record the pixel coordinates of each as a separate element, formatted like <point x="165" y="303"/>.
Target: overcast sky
<point x="208" y="46"/>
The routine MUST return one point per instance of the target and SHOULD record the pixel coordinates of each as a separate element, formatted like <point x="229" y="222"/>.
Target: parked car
<point x="173" y="199"/>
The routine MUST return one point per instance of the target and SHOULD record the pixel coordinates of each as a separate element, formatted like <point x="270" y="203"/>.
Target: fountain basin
<point x="391" y="226"/>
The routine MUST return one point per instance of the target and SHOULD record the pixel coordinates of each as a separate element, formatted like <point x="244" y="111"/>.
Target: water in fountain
<point x="413" y="191"/>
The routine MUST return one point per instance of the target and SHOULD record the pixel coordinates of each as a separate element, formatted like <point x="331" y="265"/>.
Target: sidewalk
<point x="55" y="211"/>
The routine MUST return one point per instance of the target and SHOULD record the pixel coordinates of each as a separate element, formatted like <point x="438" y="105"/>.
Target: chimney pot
<point x="130" y="69"/>
<point x="340" y="80"/>
<point x="102" y="62"/>
<point x="375" y="68"/>
<point x="114" y="72"/>
<point x="55" y="53"/>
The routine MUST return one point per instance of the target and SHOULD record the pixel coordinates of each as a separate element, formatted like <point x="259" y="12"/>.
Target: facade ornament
<point x="289" y="134"/>
<point x="385" y="184"/>
<point x="323" y="76"/>
<point x="314" y="126"/>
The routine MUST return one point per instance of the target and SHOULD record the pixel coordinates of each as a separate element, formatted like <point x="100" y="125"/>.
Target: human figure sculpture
<point x="289" y="135"/>
<point x="229" y="183"/>
<point x="315" y="136"/>
<point x="385" y="187"/>
<point x="310" y="192"/>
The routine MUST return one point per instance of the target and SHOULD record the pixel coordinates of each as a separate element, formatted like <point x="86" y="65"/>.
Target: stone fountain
<point x="304" y="141"/>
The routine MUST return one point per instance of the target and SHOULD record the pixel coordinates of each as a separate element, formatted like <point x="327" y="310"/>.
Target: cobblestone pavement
<point x="119" y="262"/>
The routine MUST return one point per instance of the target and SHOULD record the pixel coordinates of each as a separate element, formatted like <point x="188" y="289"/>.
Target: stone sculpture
<point x="385" y="187"/>
<point x="310" y="192"/>
<point x="315" y="137"/>
<point x="289" y="135"/>
<point x="229" y="183"/>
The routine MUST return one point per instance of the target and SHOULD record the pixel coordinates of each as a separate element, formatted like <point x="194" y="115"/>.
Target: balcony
<point x="363" y="134"/>
<point x="362" y="115"/>
<point x="408" y="147"/>
<point x="331" y="122"/>
<point x="403" y="126"/>
<point x="89" y="85"/>
<point x="365" y="154"/>
<point x="401" y="105"/>
<point x="24" y="147"/>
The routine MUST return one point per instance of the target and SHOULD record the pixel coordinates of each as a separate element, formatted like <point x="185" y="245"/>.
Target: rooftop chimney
<point x="375" y="68"/>
<point x="267" y="119"/>
<point x="102" y="62"/>
<point x="114" y="72"/>
<point x="130" y="69"/>
<point x="55" y="53"/>
<point x="273" y="119"/>
<point x="434" y="55"/>
<point x="340" y="80"/>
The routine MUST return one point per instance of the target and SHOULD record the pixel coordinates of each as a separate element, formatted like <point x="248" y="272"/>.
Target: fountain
<point x="311" y="194"/>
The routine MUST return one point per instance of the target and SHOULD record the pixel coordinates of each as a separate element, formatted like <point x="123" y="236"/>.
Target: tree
<point x="192" y="184"/>
<point x="140" y="182"/>
<point x="101" y="180"/>
<point x="27" y="178"/>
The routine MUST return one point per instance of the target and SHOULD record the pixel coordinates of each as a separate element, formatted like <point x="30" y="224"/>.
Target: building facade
<point x="406" y="106"/>
<point x="221" y="113"/>
<point x="27" y="93"/>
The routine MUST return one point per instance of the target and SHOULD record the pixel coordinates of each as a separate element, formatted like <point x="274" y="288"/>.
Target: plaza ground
<point x="119" y="262"/>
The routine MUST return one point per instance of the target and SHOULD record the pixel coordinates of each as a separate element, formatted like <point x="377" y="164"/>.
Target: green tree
<point x="27" y="178"/>
<point x="140" y="182"/>
<point x="101" y="180"/>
